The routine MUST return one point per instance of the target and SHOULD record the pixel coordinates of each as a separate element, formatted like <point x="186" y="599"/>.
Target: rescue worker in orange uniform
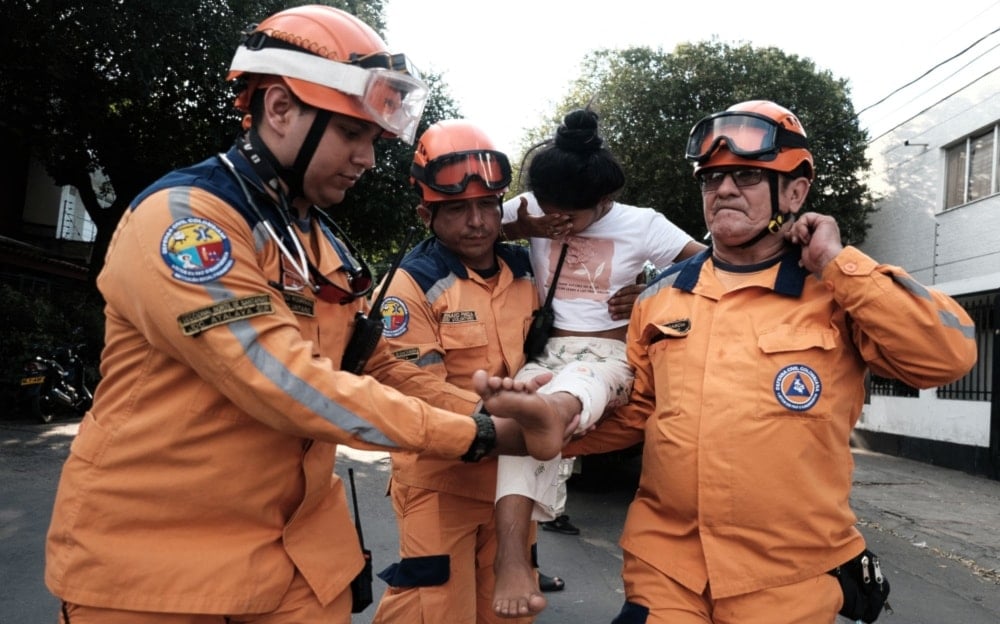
<point x="750" y="360"/>
<point x="200" y="488"/>
<point x="461" y="301"/>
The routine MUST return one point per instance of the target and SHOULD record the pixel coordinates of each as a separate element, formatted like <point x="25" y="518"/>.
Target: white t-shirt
<point x="601" y="260"/>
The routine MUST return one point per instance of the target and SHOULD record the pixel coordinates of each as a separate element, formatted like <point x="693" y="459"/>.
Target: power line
<point x="929" y="71"/>
<point x="899" y="89"/>
<point x="935" y="103"/>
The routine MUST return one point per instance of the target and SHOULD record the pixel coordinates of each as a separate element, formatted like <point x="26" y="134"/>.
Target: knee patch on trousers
<point x="418" y="571"/>
<point x="631" y="613"/>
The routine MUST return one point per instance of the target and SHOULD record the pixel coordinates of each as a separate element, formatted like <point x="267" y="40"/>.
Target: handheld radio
<point x="368" y="329"/>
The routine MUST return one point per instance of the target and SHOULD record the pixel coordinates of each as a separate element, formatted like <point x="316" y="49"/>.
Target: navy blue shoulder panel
<point x="686" y="271"/>
<point x="210" y="175"/>
<point x="517" y="258"/>
<point x="789" y="281"/>
<point x="430" y="262"/>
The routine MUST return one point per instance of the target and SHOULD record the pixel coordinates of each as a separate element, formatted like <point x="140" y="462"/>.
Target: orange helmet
<point x="333" y="61"/>
<point x="757" y="133"/>
<point x="455" y="159"/>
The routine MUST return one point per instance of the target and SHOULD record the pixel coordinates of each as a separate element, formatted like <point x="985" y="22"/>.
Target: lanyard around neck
<point x="300" y="263"/>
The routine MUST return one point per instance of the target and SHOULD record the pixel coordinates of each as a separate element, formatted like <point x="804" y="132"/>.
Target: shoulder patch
<point x="196" y="321"/>
<point x="395" y="317"/>
<point x="196" y="250"/>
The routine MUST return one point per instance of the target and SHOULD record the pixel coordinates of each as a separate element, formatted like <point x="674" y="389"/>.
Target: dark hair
<point x="574" y="170"/>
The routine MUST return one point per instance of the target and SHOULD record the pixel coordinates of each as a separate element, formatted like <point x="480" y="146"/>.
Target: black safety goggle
<point x="451" y="173"/>
<point x="384" y="60"/>
<point x="747" y="135"/>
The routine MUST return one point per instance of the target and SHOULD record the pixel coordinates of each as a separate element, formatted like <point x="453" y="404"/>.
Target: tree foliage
<point x="135" y="89"/>
<point x="378" y="211"/>
<point x="649" y="100"/>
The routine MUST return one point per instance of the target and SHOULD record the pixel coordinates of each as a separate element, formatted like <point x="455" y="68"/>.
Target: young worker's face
<point x="346" y="150"/>
<point x="468" y="227"/>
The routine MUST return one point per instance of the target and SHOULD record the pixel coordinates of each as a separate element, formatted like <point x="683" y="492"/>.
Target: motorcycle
<point x="55" y="382"/>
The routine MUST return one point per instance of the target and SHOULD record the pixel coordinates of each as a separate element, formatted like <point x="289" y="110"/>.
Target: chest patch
<point x="299" y="304"/>
<point x="466" y="316"/>
<point x="797" y="387"/>
<point x="196" y="250"/>
<point x="395" y="317"/>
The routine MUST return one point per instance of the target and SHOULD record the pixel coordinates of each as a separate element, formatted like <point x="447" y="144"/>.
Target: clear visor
<point x="746" y="134"/>
<point x="394" y="98"/>
<point x="395" y="101"/>
<point x="452" y="173"/>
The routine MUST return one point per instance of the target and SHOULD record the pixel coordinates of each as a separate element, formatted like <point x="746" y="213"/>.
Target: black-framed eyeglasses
<point x="710" y="181"/>
<point x="360" y="281"/>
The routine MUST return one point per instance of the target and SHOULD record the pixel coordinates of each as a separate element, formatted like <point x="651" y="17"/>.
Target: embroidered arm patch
<point x="223" y="312"/>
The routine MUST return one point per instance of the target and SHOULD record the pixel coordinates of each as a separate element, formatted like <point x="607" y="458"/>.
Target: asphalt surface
<point x="936" y="530"/>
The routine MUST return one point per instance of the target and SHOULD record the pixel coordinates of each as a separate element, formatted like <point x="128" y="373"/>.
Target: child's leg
<point x="515" y="592"/>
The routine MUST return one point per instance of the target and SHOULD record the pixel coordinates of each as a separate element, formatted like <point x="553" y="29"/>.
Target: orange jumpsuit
<point x="450" y="321"/>
<point x="202" y="478"/>
<point x="746" y="398"/>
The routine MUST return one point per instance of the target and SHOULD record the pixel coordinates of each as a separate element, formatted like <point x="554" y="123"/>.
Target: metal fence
<point x="977" y="385"/>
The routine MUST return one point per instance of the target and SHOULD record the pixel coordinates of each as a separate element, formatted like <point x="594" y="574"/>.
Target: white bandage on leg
<point x="537" y="480"/>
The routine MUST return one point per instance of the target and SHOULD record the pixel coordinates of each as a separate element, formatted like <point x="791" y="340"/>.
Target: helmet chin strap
<point x="294" y="176"/>
<point x="777" y="217"/>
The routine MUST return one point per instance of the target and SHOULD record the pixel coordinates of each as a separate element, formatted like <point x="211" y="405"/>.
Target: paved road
<point x="937" y="531"/>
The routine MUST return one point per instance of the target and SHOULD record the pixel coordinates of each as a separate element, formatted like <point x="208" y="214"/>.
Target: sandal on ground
<point x="560" y="525"/>
<point x="548" y="583"/>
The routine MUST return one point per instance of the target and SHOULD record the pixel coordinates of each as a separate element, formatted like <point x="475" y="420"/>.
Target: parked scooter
<point x="56" y="382"/>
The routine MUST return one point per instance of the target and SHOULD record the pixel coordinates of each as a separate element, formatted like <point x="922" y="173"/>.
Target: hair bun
<point x="578" y="132"/>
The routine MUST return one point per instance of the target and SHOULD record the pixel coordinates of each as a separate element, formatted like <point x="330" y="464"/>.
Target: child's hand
<point x="549" y="225"/>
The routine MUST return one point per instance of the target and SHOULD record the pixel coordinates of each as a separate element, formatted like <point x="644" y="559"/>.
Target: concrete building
<point x="938" y="178"/>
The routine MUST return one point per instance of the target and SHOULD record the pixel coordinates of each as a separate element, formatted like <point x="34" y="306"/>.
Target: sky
<point x="508" y="63"/>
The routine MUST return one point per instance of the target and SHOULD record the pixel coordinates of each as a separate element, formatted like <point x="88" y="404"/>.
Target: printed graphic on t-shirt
<point x="586" y="272"/>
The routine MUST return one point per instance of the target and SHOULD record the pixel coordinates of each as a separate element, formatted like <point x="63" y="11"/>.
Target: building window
<point x="973" y="168"/>
<point x="977" y="385"/>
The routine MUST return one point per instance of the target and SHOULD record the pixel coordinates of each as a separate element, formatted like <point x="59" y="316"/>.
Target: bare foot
<point x="542" y="424"/>
<point x="516" y="593"/>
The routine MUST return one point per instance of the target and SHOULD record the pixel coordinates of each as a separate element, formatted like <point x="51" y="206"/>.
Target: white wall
<point x="929" y="418"/>
<point x="911" y="229"/>
<point x="957" y="251"/>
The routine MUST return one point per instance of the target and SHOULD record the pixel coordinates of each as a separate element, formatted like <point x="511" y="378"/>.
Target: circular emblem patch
<point x="395" y="317"/>
<point x="196" y="250"/>
<point x="797" y="387"/>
